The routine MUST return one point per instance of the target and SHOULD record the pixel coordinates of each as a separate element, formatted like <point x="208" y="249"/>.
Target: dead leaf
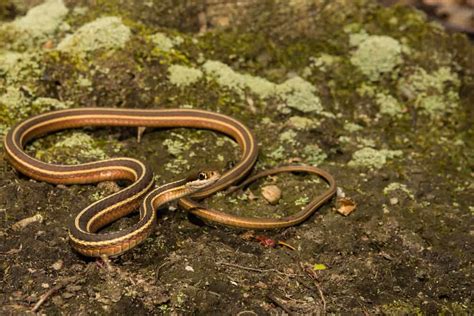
<point x="345" y="206"/>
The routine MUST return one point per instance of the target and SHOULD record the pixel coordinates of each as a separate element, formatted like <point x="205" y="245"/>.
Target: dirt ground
<point x="379" y="97"/>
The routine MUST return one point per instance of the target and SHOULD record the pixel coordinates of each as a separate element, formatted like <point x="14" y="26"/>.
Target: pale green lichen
<point x="365" y="142"/>
<point x="277" y="154"/>
<point x="396" y="186"/>
<point x="70" y="149"/>
<point x="165" y="43"/>
<point x="375" y="55"/>
<point x="178" y="165"/>
<point x="13" y="105"/>
<point x="176" y="147"/>
<point x="183" y="76"/>
<point x="366" y="89"/>
<point x="41" y="105"/>
<point x="372" y="158"/>
<point x="433" y="93"/>
<point x="288" y="136"/>
<point x="302" y="123"/>
<point x="84" y="82"/>
<point x="324" y="61"/>
<point x="299" y="94"/>
<point x="20" y="67"/>
<point x="38" y="23"/>
<point x="239" y="83"/>
<point x="352" y="127"/>
<point x="389" y="105"/>
<point x="103" y="33"/>
<point x="314" y="155"/>
<point x="16" y="104"/>
<point x="301" y="201"/>
<point x="296" y="92"/>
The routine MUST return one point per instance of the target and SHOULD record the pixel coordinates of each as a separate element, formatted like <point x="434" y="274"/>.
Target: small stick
<point x="253" y="269"/>
<point x="51" y="291"/>
<point x="314" y="277"/>
<point x="27" y="221"/>
<point x="277" y="302"/>
<point x="107" y="263"/>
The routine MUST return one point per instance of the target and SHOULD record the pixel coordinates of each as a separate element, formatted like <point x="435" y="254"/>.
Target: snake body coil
<point x="83" y="232"/>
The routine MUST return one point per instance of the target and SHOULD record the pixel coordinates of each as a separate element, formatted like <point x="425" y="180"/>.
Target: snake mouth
<point x="202" y="179"/>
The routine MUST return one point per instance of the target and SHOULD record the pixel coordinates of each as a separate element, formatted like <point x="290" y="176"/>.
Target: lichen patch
<point x="375" y="55"/>
<point x="103" y="33"/>
<point x="372" y="158"/>
<point x="183" y="76"/>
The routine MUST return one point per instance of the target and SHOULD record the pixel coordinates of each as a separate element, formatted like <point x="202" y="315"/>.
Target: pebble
<point x="271" y="193"/>
<point x="58" y="265"/>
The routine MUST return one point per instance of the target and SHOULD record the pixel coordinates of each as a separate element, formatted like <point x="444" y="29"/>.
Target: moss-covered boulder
<point x="380" y="97"/>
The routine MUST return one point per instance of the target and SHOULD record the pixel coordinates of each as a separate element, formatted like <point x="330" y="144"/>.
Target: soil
<point x="407" y="248"/>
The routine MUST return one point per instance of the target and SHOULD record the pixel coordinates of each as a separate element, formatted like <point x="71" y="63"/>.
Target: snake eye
<point x="202" y="176"/>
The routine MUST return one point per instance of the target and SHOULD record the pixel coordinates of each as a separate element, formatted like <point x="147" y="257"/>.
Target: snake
<point x="84" y="232"/>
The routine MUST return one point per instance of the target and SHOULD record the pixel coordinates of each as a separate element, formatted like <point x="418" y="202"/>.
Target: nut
<point x="272" y="194"/>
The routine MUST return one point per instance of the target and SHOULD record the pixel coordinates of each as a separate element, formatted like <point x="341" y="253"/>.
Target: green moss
<point x="103" y="33"/>
<point x="375" y="55"/>
<point x="182" y="76"/>
<point x="455" y="308"/>
<point x="401" y="308"/>
<point x="371" y="158"/>
<point x="71" y="148"/>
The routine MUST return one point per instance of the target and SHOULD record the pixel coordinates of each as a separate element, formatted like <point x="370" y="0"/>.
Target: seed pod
<point x="272" y="194"/>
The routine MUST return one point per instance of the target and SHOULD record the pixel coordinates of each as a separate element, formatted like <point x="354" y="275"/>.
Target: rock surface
<point x="380" y="97"/>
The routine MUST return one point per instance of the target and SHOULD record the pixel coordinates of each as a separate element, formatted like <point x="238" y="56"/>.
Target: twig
<point x="12" y="251"/>
<point x="27" y="221"/>
<point x="253" y="269"/>
<point x="166" y="262"/>
<point x="51" y="291"/>
<point x="314" y="277"/>
<point x="107" y="264"/>
<point x="278" y="303"/>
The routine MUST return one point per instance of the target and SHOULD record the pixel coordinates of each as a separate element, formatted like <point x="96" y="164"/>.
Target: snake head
<point x="202" y="179"/>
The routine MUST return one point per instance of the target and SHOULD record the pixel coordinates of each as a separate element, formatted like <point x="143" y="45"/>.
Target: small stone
<point x="73" y="288"/>
<point x="58" y="265"/>
<point x="67" y="295"/>
<point x="189" y="268"/>
<point x="393" y="201"/>
<point x="271" y="193"/>
<point x="57" y="300"/>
